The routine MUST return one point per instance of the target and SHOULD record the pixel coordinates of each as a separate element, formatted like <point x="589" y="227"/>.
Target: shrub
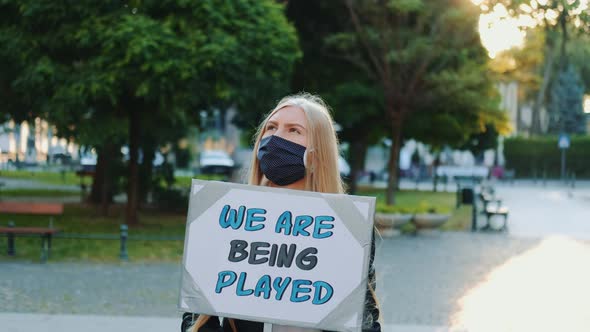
<point x="533" y="157"/>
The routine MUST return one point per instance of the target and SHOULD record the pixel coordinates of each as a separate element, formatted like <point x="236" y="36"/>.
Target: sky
<point x="499" y="32"/>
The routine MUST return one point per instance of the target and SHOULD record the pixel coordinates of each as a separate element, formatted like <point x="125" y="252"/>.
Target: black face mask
<point x="281" y="160"/>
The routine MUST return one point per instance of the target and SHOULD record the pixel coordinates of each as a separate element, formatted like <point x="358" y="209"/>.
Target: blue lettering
<point x="240" y="291"/>
<point x="317" y="298"/>
<point x="319" y="226"/>
<point x="222" y="282"/>
<point x="280" y="288"/>
<point x="301" y="223"/>
<point x="235" y="219"/>
<point x="284" y="222"/>
<point x="263" y="286"/>
<point x="250" y="218"/>
<point x="298" y="289"/>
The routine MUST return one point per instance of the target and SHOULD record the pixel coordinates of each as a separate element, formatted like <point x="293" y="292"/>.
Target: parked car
<point x="216" y="162"/>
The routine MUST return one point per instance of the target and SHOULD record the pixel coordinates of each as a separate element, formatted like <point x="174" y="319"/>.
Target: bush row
<point x="540" y="156"/>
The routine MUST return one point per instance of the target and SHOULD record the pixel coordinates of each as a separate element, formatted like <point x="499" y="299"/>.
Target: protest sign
<point x="275" y="255"/>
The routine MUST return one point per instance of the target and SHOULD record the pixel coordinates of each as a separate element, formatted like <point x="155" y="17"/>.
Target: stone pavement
<point x="17" y="322"/>
<point x="12" y="322"/>
<point x="444" y="282"/>
<point x="538" y="210"/>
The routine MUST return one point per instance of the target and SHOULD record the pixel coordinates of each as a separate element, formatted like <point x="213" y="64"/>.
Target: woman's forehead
<point x="289" y="114"/>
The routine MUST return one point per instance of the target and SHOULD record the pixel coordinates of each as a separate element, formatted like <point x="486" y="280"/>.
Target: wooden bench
<point x="46" y="233"/>
<point x="492" y="206"/>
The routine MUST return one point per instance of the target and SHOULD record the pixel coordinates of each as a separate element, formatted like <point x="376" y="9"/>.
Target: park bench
<point x="492" y="206"/>
<point x="46" y="233"/>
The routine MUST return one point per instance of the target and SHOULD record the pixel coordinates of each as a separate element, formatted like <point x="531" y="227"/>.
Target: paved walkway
<point x="538" y="210"/>
<point x="12" y="322"/>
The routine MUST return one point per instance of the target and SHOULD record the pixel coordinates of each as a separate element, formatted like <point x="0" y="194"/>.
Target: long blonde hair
<point x="322" y="145"/>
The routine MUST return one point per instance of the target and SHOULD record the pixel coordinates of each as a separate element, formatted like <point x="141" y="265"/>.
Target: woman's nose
<point x="281" y="132"/>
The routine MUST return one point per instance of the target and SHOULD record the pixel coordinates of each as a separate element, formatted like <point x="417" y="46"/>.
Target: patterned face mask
<point x="281" y="160"/>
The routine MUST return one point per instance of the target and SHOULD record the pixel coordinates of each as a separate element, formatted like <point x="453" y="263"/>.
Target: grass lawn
<point x="86" y="219"/>
<point x="35" y="192"/>
<point x="413" y="201"/>
<point x="185" y="181"/>
<point x="49" y="177"/>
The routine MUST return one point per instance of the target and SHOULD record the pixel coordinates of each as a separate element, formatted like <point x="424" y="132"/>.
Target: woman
<point x="296" y="147"/>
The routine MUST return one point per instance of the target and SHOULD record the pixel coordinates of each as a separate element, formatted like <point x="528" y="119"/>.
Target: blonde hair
<point x="322" y="173"/>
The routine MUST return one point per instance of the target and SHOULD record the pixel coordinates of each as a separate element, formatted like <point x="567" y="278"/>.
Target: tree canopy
<point x="428" y="62"/>
<point x="110" y="73"/>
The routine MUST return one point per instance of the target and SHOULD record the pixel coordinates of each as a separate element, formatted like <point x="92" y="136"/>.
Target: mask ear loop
<point x="305" y="159"/>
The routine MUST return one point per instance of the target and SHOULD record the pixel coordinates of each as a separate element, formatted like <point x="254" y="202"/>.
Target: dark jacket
<point x="370" y="317"/>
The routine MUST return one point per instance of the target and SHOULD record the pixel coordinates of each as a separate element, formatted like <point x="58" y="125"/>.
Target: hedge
<point x="540" y="156"/>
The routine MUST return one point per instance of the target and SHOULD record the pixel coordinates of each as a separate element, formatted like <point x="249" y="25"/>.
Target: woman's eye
<point x="295" y="130"/>
<point x="270" y="127"/>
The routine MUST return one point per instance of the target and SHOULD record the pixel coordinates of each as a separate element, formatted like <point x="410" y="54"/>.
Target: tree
<point x="418" y="52"/>
<point x="356" y="102"/>
<point x="579" y="53"/>
<point x="567" y="104"/>
<point x="558" y="18"/>
<point x="145" y="68"/>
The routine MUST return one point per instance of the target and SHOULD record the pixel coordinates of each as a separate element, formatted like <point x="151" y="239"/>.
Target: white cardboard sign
<point x="275" y="255"/>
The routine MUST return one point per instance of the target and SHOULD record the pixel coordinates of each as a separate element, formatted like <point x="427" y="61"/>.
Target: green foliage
<point x="579" y="53"/>
<point x="435" y="71"/>
<point x="478" y="143"/>
<point x="88" y="61"/>
<point x="64" y="177"/>
<point x="38" y="192"/>
<point x="566" y="109"/>
<point x="533" y="157"/>
<point x="427" y="60"/>
<point x="95" y="69"/>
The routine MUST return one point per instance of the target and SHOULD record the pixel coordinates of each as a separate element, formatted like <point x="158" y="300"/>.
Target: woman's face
<point x="289" y="123"/>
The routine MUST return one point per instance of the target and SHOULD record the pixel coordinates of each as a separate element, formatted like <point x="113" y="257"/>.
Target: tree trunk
<point x="540" y="99"/>
<point x="435" y="165"/>
<point x="102" y="189"/>
<point x="564" y="38"/>
<point x="98" y="177"/>
<point x="106" y="196"/>
<point x="357" y="160"/>
<point x="396" y="144"/>
<point x="133" y="180"/>
<point x="145" y="170"/>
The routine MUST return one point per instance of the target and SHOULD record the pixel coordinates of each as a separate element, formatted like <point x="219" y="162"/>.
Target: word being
<point x="298" y="289"/>
<point x="281" y="256"/>
<point x="253" y="220"/>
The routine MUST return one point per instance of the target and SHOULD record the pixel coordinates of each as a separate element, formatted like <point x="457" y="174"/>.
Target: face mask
<point x="281" y="160"/>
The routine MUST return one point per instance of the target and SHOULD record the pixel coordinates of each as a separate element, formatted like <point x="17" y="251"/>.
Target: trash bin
<point x="467" y="196"/>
